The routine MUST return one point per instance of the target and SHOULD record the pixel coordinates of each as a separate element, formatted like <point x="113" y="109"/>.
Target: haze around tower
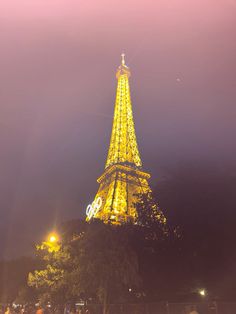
<point x="57" y="94"/>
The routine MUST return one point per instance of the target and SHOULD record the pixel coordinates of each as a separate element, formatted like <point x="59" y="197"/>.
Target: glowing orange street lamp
<point x="53" y="238"/>
<point x="52" y="243"/>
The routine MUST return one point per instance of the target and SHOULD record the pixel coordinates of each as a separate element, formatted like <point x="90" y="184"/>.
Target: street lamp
<point x="52" y="242"/>
<point x="52" y="238"/>
<point x="202" y="292"/>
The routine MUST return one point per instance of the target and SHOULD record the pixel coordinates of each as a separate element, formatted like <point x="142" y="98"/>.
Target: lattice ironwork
<point x="123" y="178"/>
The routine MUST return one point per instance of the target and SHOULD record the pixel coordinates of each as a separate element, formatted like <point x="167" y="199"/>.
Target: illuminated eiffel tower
<point x="123" y="178"/>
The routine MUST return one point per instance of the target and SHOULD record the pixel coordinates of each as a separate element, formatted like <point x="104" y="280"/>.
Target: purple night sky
<point x="57" y="72"/>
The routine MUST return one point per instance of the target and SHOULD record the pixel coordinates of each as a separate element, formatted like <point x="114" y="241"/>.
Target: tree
<point x="151" y="218"/>
<point x="108" y="264"/>
<point x="26" y="295"/>
<point x="99" y="263"/>
<point x="202" y="202"/>
<point x="52" y="279"/>
<point x="157" y="248"/>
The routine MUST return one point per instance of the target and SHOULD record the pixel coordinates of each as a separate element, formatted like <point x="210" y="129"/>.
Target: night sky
<point x="58" y="60"/>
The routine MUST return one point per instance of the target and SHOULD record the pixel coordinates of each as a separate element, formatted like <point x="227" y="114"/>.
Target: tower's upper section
<point x="122" y="69"/>
<point x="123" y="145"/>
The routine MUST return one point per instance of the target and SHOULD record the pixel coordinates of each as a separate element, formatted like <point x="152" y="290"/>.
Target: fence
<point x="168" y="308"/>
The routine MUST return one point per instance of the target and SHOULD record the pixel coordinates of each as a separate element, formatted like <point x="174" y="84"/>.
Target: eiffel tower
<point x="123" y="178"/>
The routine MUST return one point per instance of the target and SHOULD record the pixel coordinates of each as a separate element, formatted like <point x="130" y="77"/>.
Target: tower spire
<point x="123" y="59"/>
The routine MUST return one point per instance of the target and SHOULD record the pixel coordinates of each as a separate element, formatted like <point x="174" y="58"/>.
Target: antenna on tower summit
<point x="123" y="59"/>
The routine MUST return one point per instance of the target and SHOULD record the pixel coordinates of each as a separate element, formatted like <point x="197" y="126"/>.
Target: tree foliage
<point x="148" y="212"/>
<point x="98" y="264"/>
<point x="52" y="280"/>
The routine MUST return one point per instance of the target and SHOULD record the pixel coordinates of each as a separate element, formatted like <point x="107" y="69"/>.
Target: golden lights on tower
<point x="123" y="178"/>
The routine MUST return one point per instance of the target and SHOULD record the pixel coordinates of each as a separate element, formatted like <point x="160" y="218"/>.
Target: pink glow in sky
<point x="57" y="88"/>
